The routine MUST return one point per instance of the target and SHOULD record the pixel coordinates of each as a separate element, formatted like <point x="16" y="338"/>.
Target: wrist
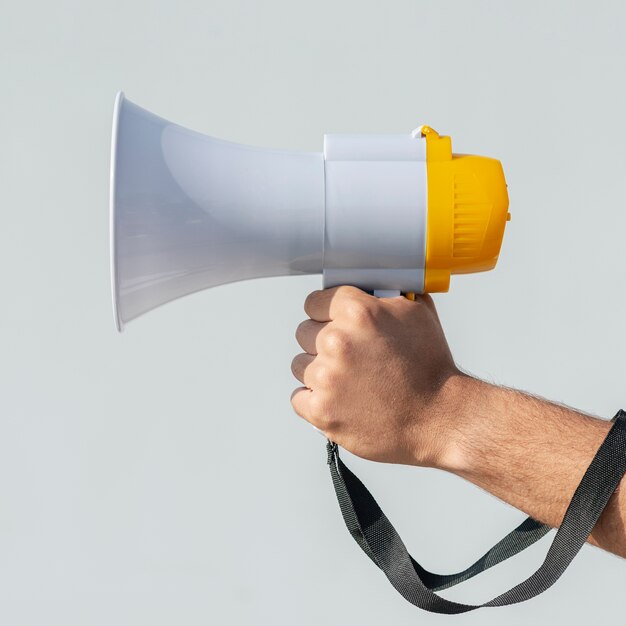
<point x="465" y="404"/>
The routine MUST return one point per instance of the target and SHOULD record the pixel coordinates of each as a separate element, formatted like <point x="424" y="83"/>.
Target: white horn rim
<point x="119" y="100"/>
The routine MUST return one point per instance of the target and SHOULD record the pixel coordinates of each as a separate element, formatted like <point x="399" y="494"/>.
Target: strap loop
<point x="376" y="536"/>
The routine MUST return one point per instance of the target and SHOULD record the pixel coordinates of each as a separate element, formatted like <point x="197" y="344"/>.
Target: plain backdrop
<point x="160" y="476"/>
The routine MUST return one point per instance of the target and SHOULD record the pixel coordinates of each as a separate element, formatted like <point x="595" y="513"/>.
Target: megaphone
<point x="390" y="214"/>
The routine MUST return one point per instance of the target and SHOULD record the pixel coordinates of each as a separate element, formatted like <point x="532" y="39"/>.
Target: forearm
<point x="528" y="452"/>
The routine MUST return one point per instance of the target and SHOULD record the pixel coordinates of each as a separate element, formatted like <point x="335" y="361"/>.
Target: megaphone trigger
<point x="387" y="293"/>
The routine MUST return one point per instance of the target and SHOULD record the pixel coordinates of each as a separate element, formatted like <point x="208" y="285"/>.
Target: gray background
<point x="160" y="476"/>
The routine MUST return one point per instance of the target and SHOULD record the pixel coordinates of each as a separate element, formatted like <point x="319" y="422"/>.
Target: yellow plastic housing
<point x="467" y="212"/>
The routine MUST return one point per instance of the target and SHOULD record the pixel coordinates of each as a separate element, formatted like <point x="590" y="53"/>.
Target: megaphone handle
<point x="376" y="536"/>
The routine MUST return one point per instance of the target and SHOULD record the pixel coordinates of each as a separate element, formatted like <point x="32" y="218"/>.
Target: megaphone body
<point x="387" y="213"/>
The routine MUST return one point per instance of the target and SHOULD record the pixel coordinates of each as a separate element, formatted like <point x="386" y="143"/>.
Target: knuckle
<point x="329" y="422"/>
<point x="323" y="377"/>
<point x="347" y="291"/>
<point x="358" y="312"/>
<point x="335" y="342"/>
<point x="319" y="410"/>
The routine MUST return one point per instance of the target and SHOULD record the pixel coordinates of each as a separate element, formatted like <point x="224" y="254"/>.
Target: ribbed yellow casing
<point x="467" y="212"/>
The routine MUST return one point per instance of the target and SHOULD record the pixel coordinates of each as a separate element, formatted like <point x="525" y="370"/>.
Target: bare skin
<point x="379" y="379"/>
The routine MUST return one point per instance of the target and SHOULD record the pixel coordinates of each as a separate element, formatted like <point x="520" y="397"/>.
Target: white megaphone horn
<point x="387" y="213"/>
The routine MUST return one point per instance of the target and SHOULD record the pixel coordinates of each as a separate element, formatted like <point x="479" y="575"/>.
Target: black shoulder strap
<point x="374" y="533"/>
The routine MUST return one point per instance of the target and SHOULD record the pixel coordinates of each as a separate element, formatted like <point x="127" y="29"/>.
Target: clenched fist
<point x="378" y="375"/>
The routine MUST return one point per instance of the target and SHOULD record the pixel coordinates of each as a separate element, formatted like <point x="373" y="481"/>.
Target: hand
<point x="381" y="382"/>
<point x="379" y="377"/>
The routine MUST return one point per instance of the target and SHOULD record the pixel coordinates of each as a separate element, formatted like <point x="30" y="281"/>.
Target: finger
<point x="422" y="298"/>
<point x="306" y="335"/>
<point x="300" y="399"/>
<point x="427" y="300"/>
<point x="429" y="304"/>
<point x="323" y="305"/>
<point x="299" y="366"/>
